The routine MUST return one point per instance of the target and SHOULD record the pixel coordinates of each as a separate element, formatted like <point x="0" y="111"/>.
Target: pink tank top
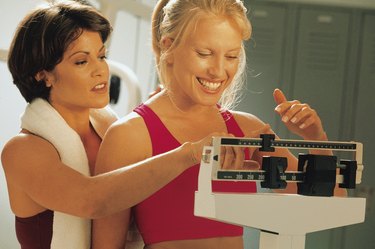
<point x="169" y="213"/>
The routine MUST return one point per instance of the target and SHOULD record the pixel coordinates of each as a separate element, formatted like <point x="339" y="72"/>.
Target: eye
<point x="82" y="62"/>
<point x="204" y="53"/>
<point x="103" y="57"/>
<point x="232" y="57"/>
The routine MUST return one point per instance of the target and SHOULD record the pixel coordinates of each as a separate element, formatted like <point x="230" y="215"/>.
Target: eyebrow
<point x="85" y="52"/>
<point x="197" y="47"/>
<point x="235" y="49"/>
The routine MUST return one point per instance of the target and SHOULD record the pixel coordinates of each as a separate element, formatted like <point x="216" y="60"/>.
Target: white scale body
<point x="283" y="219"/>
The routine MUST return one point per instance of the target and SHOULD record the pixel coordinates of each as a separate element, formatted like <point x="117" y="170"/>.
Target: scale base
<point x="287" y="217"/>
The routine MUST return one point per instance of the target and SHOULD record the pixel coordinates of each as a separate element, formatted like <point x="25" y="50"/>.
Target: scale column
<point x="269" y="240"/>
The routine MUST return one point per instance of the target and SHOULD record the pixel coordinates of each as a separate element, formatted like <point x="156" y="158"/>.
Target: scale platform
<point x="283" y="219"/>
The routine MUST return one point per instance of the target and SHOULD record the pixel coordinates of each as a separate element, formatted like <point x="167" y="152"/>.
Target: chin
<point x="100" y="103"/>
<point x="209" y="101"/>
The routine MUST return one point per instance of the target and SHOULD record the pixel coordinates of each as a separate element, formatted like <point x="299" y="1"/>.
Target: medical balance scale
<point x="283" y="219"/>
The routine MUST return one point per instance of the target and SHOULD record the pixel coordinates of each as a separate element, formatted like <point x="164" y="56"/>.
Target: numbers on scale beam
<point x="257" y="176"/>
<point x="290" y="143"/>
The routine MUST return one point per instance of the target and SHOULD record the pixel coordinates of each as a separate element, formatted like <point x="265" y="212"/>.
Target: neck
<point x="76" y="118"/>
<point x="186" y="106"/>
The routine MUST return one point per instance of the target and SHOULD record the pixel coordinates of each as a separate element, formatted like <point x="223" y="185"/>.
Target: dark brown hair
<point x="43" y="36"/>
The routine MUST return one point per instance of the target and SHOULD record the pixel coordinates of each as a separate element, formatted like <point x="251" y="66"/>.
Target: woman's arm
<point x="301" y="120"/>
<point x="32" y="165"/>
<point x="125" y="143"/>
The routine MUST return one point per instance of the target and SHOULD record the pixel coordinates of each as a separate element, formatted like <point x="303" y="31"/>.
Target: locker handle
<point x="261" y="13"/>
<point x="324" y="19"/>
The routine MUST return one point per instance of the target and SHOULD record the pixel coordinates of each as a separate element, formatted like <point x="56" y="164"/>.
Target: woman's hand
<point x="231" y="157"/>
<point x="299" y="117"/>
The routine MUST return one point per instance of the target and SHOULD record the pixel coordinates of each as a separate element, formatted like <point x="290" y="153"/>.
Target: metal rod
<point x="300" y="144"/>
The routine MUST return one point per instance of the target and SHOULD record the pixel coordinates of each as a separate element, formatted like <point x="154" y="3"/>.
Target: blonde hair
<point x="172" y="18"/>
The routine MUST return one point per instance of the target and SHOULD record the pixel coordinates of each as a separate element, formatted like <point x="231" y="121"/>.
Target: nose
<point x="217" y="67"/>
<point x="100" y="68"/>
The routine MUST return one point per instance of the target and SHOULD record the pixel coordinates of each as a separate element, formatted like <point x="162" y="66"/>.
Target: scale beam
<point x="267" y="142"/>
<point x="284" y="219"/>
<point x="292" y="144"/>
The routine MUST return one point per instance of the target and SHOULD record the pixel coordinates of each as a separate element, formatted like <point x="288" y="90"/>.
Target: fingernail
<point x="285" y="119"/>
<point x="302" y="126"/>
<point x="293" y="120"/>
<point x="277" y="108"/>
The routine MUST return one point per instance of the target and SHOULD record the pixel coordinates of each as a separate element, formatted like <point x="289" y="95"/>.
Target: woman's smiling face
<point x="204" y="64"/>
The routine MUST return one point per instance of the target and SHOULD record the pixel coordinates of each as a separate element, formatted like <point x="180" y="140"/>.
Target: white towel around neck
<point x="41" y="119"/>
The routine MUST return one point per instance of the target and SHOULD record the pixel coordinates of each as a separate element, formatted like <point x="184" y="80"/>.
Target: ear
<point x="42" y="75"/>
<point x="166" y="44"/>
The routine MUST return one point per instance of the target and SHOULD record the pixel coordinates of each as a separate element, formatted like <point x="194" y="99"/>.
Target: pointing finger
<point x="279" y="96"/>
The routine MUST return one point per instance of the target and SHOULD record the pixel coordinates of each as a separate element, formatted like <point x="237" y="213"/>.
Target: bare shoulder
<point x="127" y="141"/>
<point x="248" y="122"/>
<point x="128" y="127"/>
<point x="132" y="118"/>
<point x="27" y="154"/>
<point x="26" y="145"/>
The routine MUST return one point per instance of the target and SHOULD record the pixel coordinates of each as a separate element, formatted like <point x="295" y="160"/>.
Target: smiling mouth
<point x="211" y="86"/>
<point x="99" y="86"/>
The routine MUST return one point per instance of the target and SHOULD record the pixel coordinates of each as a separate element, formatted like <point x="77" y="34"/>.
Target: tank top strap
<point x="233" y="128"/>
<point x="231" y="123"/>
<point x="161" y="138"/>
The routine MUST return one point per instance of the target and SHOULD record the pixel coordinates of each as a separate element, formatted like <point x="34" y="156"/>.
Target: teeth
<point x="100" y="86"/>
<point x="209" y="85"/>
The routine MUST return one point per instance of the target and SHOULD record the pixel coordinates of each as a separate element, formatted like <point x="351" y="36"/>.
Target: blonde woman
<point x="198" y="45"/>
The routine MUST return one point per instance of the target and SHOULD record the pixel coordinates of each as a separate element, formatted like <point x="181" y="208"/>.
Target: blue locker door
<point x="320" y="63"/>
<point x="264" y="56"/>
